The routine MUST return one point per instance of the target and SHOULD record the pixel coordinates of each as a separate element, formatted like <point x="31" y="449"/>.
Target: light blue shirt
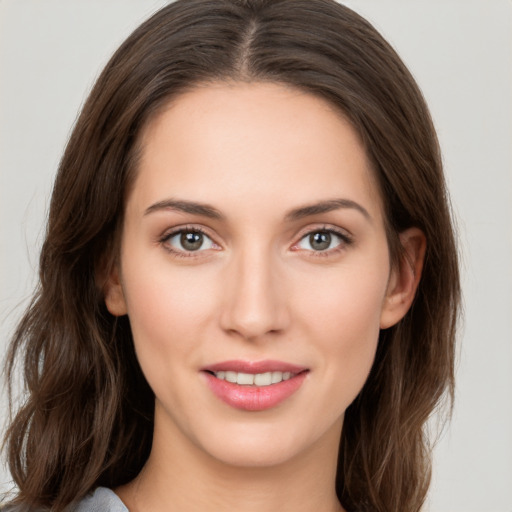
<point x="101" y="500"/>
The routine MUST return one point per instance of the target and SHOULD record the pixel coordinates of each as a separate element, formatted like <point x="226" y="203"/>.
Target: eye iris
<point x="191" y="240"/>
<point x="320" y="241"/>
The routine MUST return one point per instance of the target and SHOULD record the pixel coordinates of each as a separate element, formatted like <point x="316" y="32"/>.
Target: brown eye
<point x="188" y="241"/>
<point x="320" y="241"/>
<point x="191" y="241"/>
<point x="323" y="240"/>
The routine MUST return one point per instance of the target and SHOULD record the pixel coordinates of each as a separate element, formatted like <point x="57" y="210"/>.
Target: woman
<point x="249" y="283"/>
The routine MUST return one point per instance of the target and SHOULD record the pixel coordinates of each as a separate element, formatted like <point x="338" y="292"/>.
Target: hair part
<point x="88" y="415"/>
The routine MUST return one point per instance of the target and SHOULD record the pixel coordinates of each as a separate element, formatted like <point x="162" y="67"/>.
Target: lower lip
<point x="254" y="398"/>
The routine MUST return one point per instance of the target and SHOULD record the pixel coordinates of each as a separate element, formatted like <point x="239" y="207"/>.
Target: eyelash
<point x="346" y="240"/>
<point x="179" y="253"/>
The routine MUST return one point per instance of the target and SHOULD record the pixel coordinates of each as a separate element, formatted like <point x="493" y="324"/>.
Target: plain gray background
<point x="460" y="51"/>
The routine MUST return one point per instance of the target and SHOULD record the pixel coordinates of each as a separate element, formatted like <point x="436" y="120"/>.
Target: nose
<point x="255" y="302"/>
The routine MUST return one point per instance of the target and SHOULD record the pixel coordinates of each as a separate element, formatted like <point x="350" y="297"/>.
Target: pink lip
<point x="254" y="366"/>
<point x="254" y="398"/>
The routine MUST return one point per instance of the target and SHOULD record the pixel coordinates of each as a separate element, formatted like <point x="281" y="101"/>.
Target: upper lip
<point x="254" y="366"/>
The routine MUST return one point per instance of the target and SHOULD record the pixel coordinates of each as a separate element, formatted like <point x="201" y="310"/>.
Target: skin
<point x="257" y="289"/>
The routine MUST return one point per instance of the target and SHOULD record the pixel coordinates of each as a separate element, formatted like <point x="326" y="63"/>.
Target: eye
<point x="322" y="240"/>
<point x="189" y="240"/>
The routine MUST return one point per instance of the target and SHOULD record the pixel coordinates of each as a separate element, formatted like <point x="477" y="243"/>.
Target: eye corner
<point x="199" y="241"/>
<point x="323" y="241"/>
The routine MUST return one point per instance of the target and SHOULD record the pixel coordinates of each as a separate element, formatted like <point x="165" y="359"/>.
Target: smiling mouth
<point x="254" y="386"/>
<point x="253" y="379"/>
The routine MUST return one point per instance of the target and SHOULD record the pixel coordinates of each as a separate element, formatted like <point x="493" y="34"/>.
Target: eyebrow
<point x="211" y="212"/>
<point x="325" y="207"/>
<point x="187" y="207"/>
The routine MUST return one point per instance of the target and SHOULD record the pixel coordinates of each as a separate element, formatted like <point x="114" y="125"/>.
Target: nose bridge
<point x="254" y="305"/>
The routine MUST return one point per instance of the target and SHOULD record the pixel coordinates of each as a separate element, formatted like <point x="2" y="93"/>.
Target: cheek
<point x="343" y="317"/>
<point x="168" y="312"/>
<point x="344" y="303"/>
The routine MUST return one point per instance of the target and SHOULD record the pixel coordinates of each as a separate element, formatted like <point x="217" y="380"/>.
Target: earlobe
<point x="405" y="278"/>
<point x="114" y="295"/>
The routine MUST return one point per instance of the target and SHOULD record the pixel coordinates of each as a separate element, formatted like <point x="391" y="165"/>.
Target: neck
<point x="181" y="476"/>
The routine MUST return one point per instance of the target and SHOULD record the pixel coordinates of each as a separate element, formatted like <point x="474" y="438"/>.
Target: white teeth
<point x="231" y="376"/>
<point x="277" y="377"/>
<point x="263" y="379"/>
<point x="245" y="378"/>
<point x="256" y="379"/>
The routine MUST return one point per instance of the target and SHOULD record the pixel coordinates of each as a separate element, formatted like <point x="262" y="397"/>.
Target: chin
<point x="253" y="455"/>
<point x="264" y="445"/>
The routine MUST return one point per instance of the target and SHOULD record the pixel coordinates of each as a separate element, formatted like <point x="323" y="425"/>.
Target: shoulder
<point x="101" y="500"/>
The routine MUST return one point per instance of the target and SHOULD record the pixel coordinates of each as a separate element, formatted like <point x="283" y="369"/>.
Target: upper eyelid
<point x="324" y="227"/>
<point x="346" y="237"/>
<point x="305" y="231"/>
<point x="170" y="232"/>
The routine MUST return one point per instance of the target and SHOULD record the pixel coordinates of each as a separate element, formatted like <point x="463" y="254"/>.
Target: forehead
<point x="226" y="141"/>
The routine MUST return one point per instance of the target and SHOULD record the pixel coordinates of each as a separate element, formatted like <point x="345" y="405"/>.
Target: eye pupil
<point x="320" y="241"/>
<point x="191" y="240"/>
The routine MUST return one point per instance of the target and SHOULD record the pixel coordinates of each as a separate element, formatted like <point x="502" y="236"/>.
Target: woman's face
<point x="253" y="251"/>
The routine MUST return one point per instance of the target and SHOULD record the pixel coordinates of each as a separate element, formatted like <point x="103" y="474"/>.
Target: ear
<point x="114" y="295"/>
<point x="404" y="278"/>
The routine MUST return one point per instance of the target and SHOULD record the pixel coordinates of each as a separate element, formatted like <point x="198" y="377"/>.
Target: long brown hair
<point x="88" y="415"/>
